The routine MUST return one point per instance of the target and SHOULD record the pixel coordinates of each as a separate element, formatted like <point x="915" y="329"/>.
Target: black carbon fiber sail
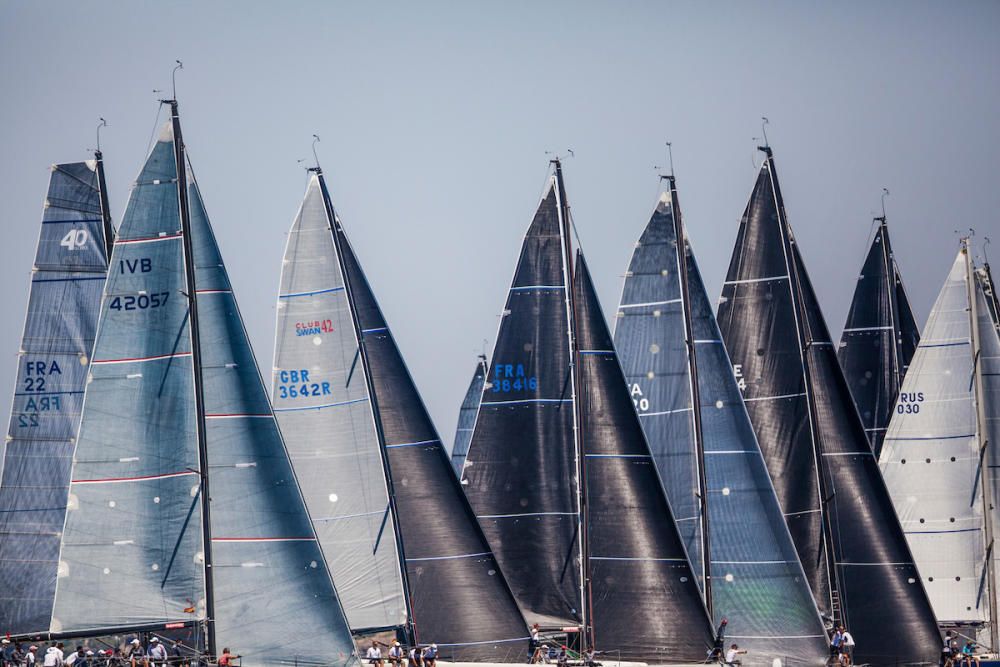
<point x="520" y="473"/>
<point x="828" y="481"/>
<point x="458" y="596"/>
<point x="879" y="338"/>
<point x="646" y="600"/>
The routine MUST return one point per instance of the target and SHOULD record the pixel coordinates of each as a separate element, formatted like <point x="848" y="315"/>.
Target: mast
<point x="586" y="611"/>
<point x="891" y="280"/>
<point x="695" y="390"/>
<point x="804" y="343"/>
<point x="199" y="393"/>
<point x="983" y="472"/>
<point x="102" y="189"/>
<point x="409" y="629"/>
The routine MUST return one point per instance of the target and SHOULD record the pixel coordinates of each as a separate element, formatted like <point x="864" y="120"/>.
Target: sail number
<point x="641" y="402"/>
<point x="511" y="377"/>
<point x="741" y="381"/>
<point x="909" y="402"/>
<point x="140" y="302"/>
<point x="75" y="239"/>
<point x="35" y="373"/>
<point x="296" y="384"/>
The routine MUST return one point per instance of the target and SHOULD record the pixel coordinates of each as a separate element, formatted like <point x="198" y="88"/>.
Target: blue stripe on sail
<point x="618" y="456"/>
<point x="531" y="400"/>
<point x="321" y="291"/>
<point x="940" y="532"/>
<point x="536" y="287"/>
<point x="69" y="222"/>
<point x="597" y="352"/>
<point x="46" y="393"/>
<point x="942" y="437"/>
<point x="319" y="407"/>
<point x="412" y="444"/>
<point x="68" y="280"/>
<point x="375" y="330"/>
<point x="964" y="342"/>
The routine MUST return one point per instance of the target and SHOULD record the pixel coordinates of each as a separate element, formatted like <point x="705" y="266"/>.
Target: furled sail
<point x="932" y="459"/>
<point x="467" y="416"/>
<point x="827" y="480"/>
<point x="756" y="580"/>
<point x="68" y="276"/>
<point x="879" y="338"/>
<point x="139" y="547"/>
<point x="646" y="602"/>
<point x="457" y="596"/>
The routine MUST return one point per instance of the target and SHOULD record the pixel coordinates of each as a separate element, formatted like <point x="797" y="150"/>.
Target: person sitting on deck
<point x="396" y="655"/>
<point x="136" y="656"/>
<point x="732" y="655"/>
<point x="374" y="655"/>
<point x="157" y="652"/>
<point x="416" y="657"/>
<point x="969" y="654"/>
<point x="430" y="656"/>
<point x="562" y="659"/>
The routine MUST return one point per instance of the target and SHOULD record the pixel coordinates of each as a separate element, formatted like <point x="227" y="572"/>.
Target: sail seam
<point x="482" y="553"/>
<point x="508" y="516"/>
<point x="773" y="398"/>
<point x="649" y="303"/>
<point x="745" y="281"/>
<point x="321" y="291"/>
<point x="150" y="239"/>
<point x="413" y="444"/>
<point x="326" y="405"/>
<point x="134" y="360"/>
<point x="141" y="478"/>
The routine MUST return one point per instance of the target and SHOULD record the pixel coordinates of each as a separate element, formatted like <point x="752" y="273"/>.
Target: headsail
<point x="756" y="579"/>
<point x="134" y="551"/>
<point x="457" y="596"/>
<point x="827" y="480"/>
<point x="932" y="459"/>
<point x="467" y="416"/>
<point x="646" y="599"/>
<point x="879" y="338"/>
<point x="67" y="279"/>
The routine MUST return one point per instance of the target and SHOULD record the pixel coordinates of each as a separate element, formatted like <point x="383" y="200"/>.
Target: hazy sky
<point x="435" y="120"/>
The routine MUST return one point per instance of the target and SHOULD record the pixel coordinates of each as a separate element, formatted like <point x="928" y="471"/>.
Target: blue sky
<point x="436" y="117"/>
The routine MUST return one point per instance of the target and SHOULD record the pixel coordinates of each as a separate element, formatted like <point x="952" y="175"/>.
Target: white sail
<point x="930" y="459"/>
<point x="321" y="400"/>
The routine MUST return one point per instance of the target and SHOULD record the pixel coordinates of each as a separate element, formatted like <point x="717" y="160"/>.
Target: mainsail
<point x="354" y="405"/>
<point x="755" y="578"/>
<point x="879" y="338"/>
<point x="990" y="292"/>
<point x="175" y="404"/>
<point x="580" y="525"/>
<point x="71" y="265"/>
<point x="940" y="441"/>
<point x="827" y="480"/>
<point x="467" y="416"/>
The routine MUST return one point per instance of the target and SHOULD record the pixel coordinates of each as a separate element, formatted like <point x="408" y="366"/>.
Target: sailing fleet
<point x="688" y="476"/>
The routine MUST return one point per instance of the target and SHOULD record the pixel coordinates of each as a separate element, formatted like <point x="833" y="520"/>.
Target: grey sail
<point x="66" y="283"/>
<point x="755" y="578"/>
<point x="467" y="416"/>
<point x="140" y="548"/>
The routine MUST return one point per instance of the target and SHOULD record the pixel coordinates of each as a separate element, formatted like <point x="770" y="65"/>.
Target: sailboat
<point x="941" y="440"/>
<point x="174" y="405"/>
<point x="400" y="537"/>
<point x="467" y="416"/>
<point x="827" y="480"/>
<point x="71" y="264"/>
<point x="879" y="338"/>
<point x="559" y="472"/>
<point x="692" y="413"/>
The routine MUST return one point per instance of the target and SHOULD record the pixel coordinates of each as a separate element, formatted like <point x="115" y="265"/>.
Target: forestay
<point x="843" y="523"/>
<point x="756" y="580"/>
<point x="467" y="416"/>
<point x="63" y="305"/>
<point x="879" y="338"/>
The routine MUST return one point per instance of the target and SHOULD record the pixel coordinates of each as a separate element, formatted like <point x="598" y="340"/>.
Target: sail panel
<point x="459" y="598"/>
<point x="467" y="417"/>
<point x="320" y="396"/>
<point x="646" y="599"/>
<point x="523" y="437"/>
<point x="63" y="305"/>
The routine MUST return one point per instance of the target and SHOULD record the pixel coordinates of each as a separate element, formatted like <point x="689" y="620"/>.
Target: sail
<point x="63" y="305"/>
<point x="457" y="596"/>
<point x="756" y="581"/>
<point x="879" y="338"/>
<point x="523" y="437"/>
<point x="990" y="293"/>
<point x="321" y="400"/>
<point x="807" y="426"/>
<point x="467" y="417"/>
<point x="133" y="552"/>
<point x="274" y="598"/>
<point x="989" y="373"/>
<point x="646" y="601"/>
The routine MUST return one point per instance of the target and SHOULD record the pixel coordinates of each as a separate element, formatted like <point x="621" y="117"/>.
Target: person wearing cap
<point x="137" y="656"/>
<point x="29" y="657"/>
<point x="396" y="655"/>
<point x="7" y="652"/>
<point x="431" y="656"/>
<point x="157" y="652"/>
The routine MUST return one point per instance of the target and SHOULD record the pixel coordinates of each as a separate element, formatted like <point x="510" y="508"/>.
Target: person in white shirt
<point x="29" y="657"/>
<point x="157" y="652"/>
<point x="846" y="647"/>
<point x="396" y="655"/>
<point x="78" y="654"/>
<point x="51" y="657"/>
<point x="375" y="655"/>
<point x="732" y="655"/>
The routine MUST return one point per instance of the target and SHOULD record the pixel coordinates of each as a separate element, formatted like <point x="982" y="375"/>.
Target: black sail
<point x="809" y="429"/>
<point x="458" y="596"/>
<point x="646" y="599"/>
<point x="520" y="473"/>
<point x="879" y="338"/>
